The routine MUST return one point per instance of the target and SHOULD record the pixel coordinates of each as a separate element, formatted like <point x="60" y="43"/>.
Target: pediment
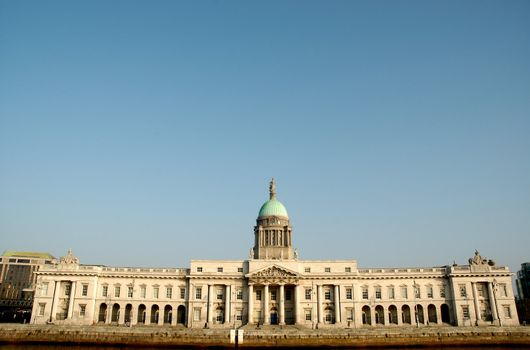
<point x="273" y="274"/>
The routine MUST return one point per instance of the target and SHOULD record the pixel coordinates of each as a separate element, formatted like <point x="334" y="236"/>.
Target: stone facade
<point x="275" y="287"/>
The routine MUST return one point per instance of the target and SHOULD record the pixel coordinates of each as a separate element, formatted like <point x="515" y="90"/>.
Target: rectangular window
<point x="463" y="292"/>
<point x="143" y="291"/>
<point x="273" y="295"/>
<point x="430" y="292"/>
<point x="327" y="294"/>
<point x="219" y="294"/>
<point x="349" y="294"/>
<point x="82" y="310"/>
<point x="84" y="291"/>
<point x="182" y="293"/>
<point x="404" y="292"/>
<point x="391" y="293"/>
<point x="481" y="290"/>
<point x="169" y="292"/>
<point x="503" y="290"/>
<point x="239" y="315"/>
<point x="287" y="295"/>
<point x="507" y="311"/>
<point x="198" y="293"/>
<point x="239" y="269"/>
<point x="42" y="307"/>
<point x="308" y="294"/>
<point x="465" y="312"/>
<point x="347" y="269"/>
<point x="156" y="291"/>
<point x="239" y="294"/>
<point x="258" y="294"/>
<point x="219" y="269"/>
<point x="199" y="269"/>
<point x="104" y="291"/>
<point x="130" y="292"/>
<point x="365" y="293"/>
<point x="442" y="291"/>
<point x="307" y="269"/>
<point x="307" y="314"/>
<point x="378" y="293"/>
<point x="196" y="314"/>
<point x="67" y="289"/>
<point x="44" y="290"/>
<point x="349" y="314"/>
<point x="327" y="269"/>
<point x="117" y="291"/>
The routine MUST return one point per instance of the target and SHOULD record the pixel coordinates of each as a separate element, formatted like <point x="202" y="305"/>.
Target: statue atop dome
<point x="272" y="189"/>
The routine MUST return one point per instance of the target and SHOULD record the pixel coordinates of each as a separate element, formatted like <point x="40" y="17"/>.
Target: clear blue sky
<point x="144" y="133"/>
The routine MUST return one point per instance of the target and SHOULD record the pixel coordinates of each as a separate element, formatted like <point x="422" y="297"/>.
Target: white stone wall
<point x="224" y="300"/>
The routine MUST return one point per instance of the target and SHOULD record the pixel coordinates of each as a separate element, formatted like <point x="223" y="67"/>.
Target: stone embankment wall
<point x="271" y="336"/>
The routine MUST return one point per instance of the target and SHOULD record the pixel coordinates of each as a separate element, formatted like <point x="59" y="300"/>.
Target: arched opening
<point x="419" y="314"/>
<point x="141" y="314"/>
<point x="181" y="314"/>
<point x="154" y="314"/>
<point x="168" y="314"/>
<point x="102" y="317"/>
<point x="274" y="316"/>
<point x="367" y="319"/>
<point x="128" y="314"/>
<point x="445" y="314"/>
<point x="379" y="315"/>
<point x="405" y="314"/>
<point x="431" y="312"/>
<point x="115" y="313"/>
<point x="328" y="315"/>
<point x="392" y="314"/>
<point x="219" y="315"/>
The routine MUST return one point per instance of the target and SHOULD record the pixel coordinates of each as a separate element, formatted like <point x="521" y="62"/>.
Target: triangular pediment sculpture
<point x="273" y="274"/>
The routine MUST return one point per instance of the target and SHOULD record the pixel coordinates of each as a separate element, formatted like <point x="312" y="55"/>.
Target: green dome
<point x="273" y="207"/>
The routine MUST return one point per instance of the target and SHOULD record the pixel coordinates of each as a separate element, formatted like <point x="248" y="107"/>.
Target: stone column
<point x="133" y="315"/>
<point x="55" y="300"/>
<point x="493" y="302"/>
<point x="250" y="305"/>
<point x="189" y="307"/>
<point x="71" y="301"/>
<point x="210" y="304"/>
<point x="161" y="315"/>
<point x="475" y="302"/>
<point x="227" y="304"/>
<point x="319" y="304"/>
<point x="266" y="311"/>
<point x="121" y="316"/>
<point x="282" y="304"/>
<point x="147" y="314"/>
<point x="296" y="304"/>
<point x="336" y="298"/>
<point x="386" y="316"/>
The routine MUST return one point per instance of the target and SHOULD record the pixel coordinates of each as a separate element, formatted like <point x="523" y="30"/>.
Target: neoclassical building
<point x="273" y="286"/>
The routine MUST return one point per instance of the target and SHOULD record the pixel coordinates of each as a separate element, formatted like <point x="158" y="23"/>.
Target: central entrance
<point x="274" y="316"/>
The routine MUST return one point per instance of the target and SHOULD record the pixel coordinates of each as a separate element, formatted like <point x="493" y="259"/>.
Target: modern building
<point x="274" y="286"/>
<point x="523" y="293"/>
<point x="17" y="282"/>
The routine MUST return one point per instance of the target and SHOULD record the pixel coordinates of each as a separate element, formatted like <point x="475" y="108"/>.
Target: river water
<point x="95" y="347"/>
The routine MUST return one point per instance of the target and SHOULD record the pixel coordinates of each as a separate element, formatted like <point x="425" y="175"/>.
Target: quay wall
<point x="272" y="336"/>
